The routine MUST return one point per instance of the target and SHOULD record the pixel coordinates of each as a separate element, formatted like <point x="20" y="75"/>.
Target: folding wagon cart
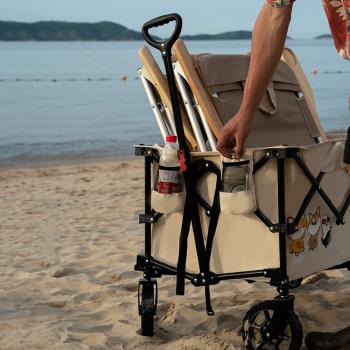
<point x="288" y="223"/>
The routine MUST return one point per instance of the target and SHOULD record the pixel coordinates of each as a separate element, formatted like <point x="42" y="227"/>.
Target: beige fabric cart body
<point x="243" y="242"/>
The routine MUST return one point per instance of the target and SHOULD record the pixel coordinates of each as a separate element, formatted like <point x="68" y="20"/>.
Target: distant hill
<point x="66" y="31"/>
<point x="102" y="31"/>
<point x="236" y="35"/>
<point x="324" y="36"/>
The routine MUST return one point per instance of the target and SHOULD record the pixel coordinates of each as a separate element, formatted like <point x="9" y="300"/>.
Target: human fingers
<point x="239" y="149"/>
<point x="226" y="146"/>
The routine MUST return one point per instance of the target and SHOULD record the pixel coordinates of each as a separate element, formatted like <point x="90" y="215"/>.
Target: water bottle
<point x="169" y="175"/>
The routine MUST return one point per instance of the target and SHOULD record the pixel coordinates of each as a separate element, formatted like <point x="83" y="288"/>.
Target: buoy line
<point x="337" y="72"/>
<point x="123" y="78"/>
<point x="53" y="80"/>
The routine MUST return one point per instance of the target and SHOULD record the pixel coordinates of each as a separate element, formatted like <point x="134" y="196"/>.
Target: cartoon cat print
<point x="326" y="231"/>
<point x="297" y="245"/>
<point x="314" y="228"/>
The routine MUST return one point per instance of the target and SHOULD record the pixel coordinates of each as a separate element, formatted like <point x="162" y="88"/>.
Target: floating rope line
<point x="122" y="78"/>
<point x="337" y="72"/>
<point x="67" y="80"/>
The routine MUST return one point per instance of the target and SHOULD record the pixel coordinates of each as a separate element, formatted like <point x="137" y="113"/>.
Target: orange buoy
<point x="123" y="77"/>
<point x="314" y="71"/>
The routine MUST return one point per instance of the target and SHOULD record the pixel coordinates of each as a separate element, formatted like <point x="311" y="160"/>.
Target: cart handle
<point x="166" y="45"/>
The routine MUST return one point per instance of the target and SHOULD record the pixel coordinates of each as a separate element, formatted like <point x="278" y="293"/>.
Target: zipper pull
<point x="182" y="160"/>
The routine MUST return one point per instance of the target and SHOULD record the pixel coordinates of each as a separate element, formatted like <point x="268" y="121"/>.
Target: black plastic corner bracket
<point x="282" y="153"/>
<point x="275" y="277"/>
<point x="149" y="218"/>
<point x="203" y="279"/>
<point x="287" y="229"/>
<point x="144" y="151"/>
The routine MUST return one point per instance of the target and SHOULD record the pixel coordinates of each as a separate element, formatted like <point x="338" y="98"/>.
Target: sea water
<point x="65" y="100"/>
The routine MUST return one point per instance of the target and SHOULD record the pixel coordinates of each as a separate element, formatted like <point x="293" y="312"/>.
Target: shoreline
<point x="46" y="161"/>
<point x="56" y="162"/>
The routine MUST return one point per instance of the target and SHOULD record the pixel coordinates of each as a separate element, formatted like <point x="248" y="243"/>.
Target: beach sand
<point x="69" y="237"/>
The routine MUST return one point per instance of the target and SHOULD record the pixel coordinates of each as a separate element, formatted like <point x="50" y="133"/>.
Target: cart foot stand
<point x="272" y="324"/>
<point x="147" y="303"/>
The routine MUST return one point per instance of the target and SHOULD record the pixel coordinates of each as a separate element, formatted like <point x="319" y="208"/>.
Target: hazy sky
<point x="199" y="16"/>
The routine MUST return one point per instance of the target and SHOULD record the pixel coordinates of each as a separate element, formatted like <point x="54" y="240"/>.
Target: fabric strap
<point x="185" y="229"/>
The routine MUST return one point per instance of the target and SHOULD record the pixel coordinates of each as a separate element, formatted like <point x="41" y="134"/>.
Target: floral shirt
<point x="338" y="13"/>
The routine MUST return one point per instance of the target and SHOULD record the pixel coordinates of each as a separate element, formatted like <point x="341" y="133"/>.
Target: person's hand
<point x="234" y="135"/>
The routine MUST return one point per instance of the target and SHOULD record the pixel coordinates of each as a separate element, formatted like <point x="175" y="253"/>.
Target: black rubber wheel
<point x="269" y="326"/>
<point x="295" y="283"/>
<point x="147" y="310"/>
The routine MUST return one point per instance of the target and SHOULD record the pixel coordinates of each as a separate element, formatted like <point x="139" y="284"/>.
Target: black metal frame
<point x="152" y="268"/>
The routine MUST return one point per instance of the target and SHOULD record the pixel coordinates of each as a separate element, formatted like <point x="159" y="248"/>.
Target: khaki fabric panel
<point x="287" y="128"/>
<point x="309" y="120"/>
<point x="282" y="118"/>
<point x="165" y="242"/>
<point x="316" y="256"/>
<point x="243" y="242"/>
<point x="266" y="190"/>
<point x="291" y="59"/>
<point x="312" y="255"/>
<point x="234" y="68"/>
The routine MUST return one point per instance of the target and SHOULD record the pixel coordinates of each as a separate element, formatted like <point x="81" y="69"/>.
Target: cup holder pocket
<point x="237" y="203"/>
<point x="168" y="203"/>
<point x="237" y="194"/>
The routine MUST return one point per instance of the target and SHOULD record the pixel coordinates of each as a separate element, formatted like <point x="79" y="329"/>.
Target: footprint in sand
<point x="129" y="286"/>
<point x="228" y="321"/>
<point x="64" y="271"/>
<point x="170" y="316"/>
<point x="94" y="329"/>
<point x="58" y="304"/>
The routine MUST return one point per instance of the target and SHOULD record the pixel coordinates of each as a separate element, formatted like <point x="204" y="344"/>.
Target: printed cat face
<point x="314" y="222"/>
<point x="302" y="224"/>
<point x="326" y="223"/>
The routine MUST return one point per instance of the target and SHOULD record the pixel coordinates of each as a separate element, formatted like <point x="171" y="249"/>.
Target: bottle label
<point x="169" y="181"/>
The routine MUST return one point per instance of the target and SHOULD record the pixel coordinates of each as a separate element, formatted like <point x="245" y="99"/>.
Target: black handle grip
<point x="166" y="45"/>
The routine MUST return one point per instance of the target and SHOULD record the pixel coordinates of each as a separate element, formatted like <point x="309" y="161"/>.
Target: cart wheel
<point x="147" y="306"/>
<point x="269" y="325"/>
<point x="295" y="283"/>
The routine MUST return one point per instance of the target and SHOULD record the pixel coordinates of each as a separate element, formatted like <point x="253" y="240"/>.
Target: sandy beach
<point x="69" y="236"/>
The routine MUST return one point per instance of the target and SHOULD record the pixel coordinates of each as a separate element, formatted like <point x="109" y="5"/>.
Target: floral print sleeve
<point x="338" y="13"/>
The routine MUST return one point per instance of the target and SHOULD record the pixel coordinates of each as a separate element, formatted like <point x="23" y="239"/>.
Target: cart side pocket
<point x="237" y="203"/>
<point x="237" y="195"/>
<point x="168" y="203"/>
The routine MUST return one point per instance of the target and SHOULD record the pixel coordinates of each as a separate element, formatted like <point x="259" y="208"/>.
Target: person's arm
<point x="269" y="36"/>
<point x="347" y="152"/>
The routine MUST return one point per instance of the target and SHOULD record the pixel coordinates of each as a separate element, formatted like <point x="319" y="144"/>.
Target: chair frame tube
<point x="155" y="107"/>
